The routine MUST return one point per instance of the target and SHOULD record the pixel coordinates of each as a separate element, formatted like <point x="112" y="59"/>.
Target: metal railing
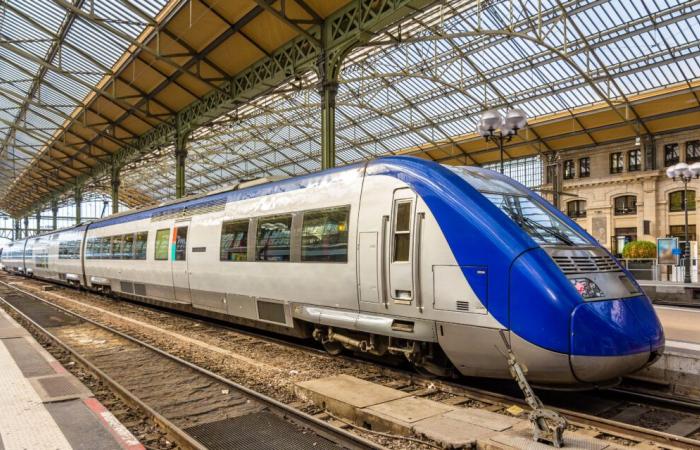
<point x="648" y="269"/>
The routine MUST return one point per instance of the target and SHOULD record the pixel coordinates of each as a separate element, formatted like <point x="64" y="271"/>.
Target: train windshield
<point x="540" y="224"/>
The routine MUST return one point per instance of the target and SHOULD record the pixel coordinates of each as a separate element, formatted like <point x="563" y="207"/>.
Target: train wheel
<point x="333" y="348"/>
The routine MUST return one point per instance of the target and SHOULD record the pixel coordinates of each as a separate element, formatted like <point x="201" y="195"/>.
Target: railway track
<point x="197" y="408"/>
<point x="616" y="419"/>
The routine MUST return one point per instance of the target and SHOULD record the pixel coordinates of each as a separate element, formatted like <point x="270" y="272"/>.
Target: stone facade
<point x="649" y="185"/>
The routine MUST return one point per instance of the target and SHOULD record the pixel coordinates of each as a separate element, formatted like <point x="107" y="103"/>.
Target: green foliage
<point x="639" y="249"/>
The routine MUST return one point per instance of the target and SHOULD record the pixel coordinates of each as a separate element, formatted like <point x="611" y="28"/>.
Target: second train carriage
<point x="398" y="255"/>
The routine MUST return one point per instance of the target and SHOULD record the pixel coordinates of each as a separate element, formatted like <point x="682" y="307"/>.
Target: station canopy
<point x="87" y="85"/>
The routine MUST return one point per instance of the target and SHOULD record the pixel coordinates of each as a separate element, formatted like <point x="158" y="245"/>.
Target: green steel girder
<point x="351" y="26"/>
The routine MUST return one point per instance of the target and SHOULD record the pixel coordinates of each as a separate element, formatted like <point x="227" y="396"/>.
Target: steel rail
<point x="320" y="427"/>
<point x="621" y="429"/>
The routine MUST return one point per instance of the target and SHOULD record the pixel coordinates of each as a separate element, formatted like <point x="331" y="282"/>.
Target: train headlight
<point x="587" y="288"/>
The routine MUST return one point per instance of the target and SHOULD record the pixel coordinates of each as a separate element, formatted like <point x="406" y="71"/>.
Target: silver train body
<point x="369" y="266"/>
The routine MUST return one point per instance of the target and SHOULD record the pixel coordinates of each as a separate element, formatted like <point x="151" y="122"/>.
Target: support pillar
<point x="18" y="230"/>
<point x="553" y="167"/>
<point x="38" y="223"/>
<point x="115" y="182"/>
<point x="329" y="91"/>
<point x="180" y="159"/>
<point x="54" y="214"/>
<point x="26" y="226"/>
<point x="78" y="204"/>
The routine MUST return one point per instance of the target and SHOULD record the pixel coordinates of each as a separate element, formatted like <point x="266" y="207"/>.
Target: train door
<point x="400" y="257"/>
<point x="179" y="264"/>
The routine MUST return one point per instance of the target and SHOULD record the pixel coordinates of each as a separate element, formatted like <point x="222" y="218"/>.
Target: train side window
<point x="161" y="250"/>
<point x="181" y="244"/>
<point x="402" y="231"/>
<point x="324" y="235"/>
<point x="90" y="248"/>
<point x="234" y="241"/>
<point x="116" y="252"/>
<point x="140" y="245"/>
<point x="273" y="238"/>
<point x="128" y="246"/>
<point x="105" y="247"/>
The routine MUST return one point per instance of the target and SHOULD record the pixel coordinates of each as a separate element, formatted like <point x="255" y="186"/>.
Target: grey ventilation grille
<point x="127" y="287"/>
<point x="586" y="264"/>
<point x="463" y="306"/>
<point x="139" y="289"/>
<point x="270" y="311"/>
<point x="180" y="212"/>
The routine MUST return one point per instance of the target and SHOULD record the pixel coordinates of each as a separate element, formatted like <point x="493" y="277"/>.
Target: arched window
<point x="676" y="201"/>
<point x="576" y="209"/>
<point x="625" y="205"/>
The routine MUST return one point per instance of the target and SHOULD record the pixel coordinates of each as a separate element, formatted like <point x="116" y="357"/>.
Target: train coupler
<point x="547" y="425"/>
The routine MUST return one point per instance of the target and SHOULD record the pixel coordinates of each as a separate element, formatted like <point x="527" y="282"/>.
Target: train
<point x="449" y="267"/>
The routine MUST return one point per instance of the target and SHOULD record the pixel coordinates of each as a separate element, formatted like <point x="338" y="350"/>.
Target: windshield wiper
<point x="552" y="231"/>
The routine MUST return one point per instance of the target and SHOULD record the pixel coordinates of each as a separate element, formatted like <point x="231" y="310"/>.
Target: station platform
<point x="46" y="407"/>
<point x="679" y="366"/>
<point x="672" y="293"/>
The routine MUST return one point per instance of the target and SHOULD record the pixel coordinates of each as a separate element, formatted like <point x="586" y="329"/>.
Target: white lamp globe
<point x="491" y="120"/>
<point x="671" y="172"/>
<point x="682" y="169"/>
<point x="516" y="119"/>
<point x="695" y="169"/>
<point x="481" y="131"/>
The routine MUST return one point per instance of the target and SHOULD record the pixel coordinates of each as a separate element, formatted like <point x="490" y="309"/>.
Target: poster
<point x="665" y="253"/>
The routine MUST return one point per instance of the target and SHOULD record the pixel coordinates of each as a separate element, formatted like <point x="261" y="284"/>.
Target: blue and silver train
<point x="397" y="256"/>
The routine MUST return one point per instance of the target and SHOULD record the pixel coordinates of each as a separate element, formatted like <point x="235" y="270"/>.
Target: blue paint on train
<point x="527" y="291"/>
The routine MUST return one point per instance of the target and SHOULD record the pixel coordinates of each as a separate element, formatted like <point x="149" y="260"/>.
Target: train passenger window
<point x="90" y="248"/>
<point x="128" y="246"/>
<point x="402" y="230"/>
<point x="161" y="251"/>
<point x="140" y="245"/>
<point x="181" y="244"/>
<point x="324" y="235"/>
<point x="273" y="238"/>
<point x="105" y="248"/>
<point x="116" y="252"/>
<point x="234" y="241"/>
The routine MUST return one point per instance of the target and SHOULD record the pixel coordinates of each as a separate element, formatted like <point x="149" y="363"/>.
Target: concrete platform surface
<point x="449" y="425"/>
<point x="44" y="406"/>
<point x="680" y="324"/>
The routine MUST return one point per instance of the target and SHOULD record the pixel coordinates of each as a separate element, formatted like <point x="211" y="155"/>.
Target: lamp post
<point x="497" y="128"/>
<point x="685" y="173"/>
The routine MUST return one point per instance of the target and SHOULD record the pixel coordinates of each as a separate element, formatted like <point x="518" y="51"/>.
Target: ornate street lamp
<point x="500" y="129"/>
<point x="685" y="173"/>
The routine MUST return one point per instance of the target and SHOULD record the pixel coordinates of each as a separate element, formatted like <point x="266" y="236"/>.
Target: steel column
<point x="38" y="222"/>
<point x="180" y="159"/>
<point x="18" y="230"/>
<point x="78" y="203"/>
<point x="115" y="183"/>
<point x="54" y="214"/>
<point x="329" y="90"/>
<point x="26" y="226"/>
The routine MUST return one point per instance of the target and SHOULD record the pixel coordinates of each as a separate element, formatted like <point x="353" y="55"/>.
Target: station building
<point x="619" y="192"/>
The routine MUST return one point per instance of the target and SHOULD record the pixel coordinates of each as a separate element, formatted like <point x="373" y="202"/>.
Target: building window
<point x="616" y="162"/>
<point x="324" y="235"/>
<point x="161" y="248"/>
<point x="402" y="231"/>
<point x="234" y="241"/>
<point x="569" y="169"/>
<point x="692" y="151"/>
<point x="634" y="160"/>
<point x="625" y="205"/>
<point x="676" y="201"/>
<point x="678" y="231"/>
<point x="576" y="209"/>
<point x="671" y="154"/>
<point x="622" y="237"/>
<point x="273" y="238"/>
<point x="584" y="167"/>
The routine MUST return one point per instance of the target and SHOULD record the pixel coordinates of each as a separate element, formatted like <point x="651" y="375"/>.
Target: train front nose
<point x="613" y="338"/>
